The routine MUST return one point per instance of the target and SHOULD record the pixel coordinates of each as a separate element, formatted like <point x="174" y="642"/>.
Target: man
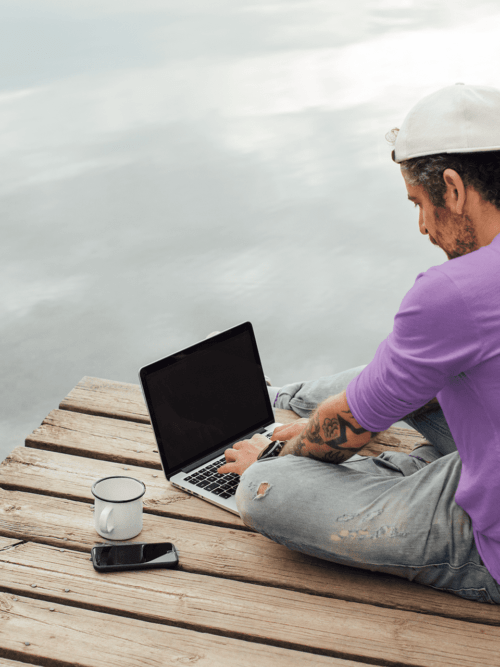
<point x="432" y="516"/>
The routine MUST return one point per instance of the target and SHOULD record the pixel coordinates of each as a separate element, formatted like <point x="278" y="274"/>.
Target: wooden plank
<point x="107" y="398"/>
<point x="121" y="400"/>
<point x="97" y="438"/>
<point x="71" y="636"/>
<point x="233" y="554"/>
<point x="257" y="614"/>
<point x="65" y="476"/>
<point x="130" y="442"/>
<point x="395" y="439"/>
<point x="13" y="663"/>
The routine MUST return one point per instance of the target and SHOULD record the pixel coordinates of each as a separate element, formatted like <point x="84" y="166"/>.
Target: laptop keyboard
<point x="209" y="479"/>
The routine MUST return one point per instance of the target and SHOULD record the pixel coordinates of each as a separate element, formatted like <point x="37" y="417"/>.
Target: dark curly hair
<point x="479" y="170"/>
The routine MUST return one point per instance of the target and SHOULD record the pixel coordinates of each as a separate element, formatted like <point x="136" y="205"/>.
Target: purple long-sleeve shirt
<point x="446" y="343"/>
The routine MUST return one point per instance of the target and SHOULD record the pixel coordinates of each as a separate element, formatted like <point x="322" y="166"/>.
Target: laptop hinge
<point x="206" y="459"/>
<point x="218" y="452"/>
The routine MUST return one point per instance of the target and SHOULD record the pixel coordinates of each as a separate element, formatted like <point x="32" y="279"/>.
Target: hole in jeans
<point x="263" y="490"/>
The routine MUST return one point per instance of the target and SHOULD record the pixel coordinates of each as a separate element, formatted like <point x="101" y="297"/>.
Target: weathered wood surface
<point x="236" y="599"/>
<point x="64" y="430"/>
<point x="232" y="554"/>
<point x="66" y="476"/>
<point x="4" y="662"/>
<point x="69" y="636"/>
<point x="121" y="400"/>
<point x="97" y="438"/>
<point x="282" y="618"/>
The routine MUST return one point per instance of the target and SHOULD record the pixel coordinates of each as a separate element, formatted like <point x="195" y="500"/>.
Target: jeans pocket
<point x="404" y="463"/>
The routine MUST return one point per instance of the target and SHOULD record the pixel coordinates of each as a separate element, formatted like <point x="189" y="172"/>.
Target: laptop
<point x="201" y="401"/>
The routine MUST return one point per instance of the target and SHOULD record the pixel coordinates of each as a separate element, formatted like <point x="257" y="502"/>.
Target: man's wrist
<point x="272" y="450"/>
<point x="290" y="447"/>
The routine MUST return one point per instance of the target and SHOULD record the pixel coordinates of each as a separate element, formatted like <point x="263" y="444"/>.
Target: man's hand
<point x="243" y="454"/>
<point x="289" y="431"/>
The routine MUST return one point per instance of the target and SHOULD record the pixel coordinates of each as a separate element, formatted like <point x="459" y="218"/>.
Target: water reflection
<point x="170" y="169"/>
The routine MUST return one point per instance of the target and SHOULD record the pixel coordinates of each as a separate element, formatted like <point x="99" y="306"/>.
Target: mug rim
<point x="129" y="500"/>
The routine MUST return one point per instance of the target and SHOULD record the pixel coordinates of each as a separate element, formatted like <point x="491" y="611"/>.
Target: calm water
<point x="171" y="168"/>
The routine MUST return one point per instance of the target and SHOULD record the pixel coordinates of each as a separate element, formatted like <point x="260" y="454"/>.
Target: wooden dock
<point x="237" y="599"/>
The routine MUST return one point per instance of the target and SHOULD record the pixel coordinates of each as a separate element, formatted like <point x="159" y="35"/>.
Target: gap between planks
<point x="71" y="477"/>
<point x="60" y="638"/>
<point x="123" y="401"/>
<point x="234" y="554"/>
<point x="251" y="613"/>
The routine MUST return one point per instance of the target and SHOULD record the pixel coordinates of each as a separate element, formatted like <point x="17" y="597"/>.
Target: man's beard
<point x="463" y="231"/>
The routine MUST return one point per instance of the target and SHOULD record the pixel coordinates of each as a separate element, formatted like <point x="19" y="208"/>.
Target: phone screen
<point x="131" y="554"/>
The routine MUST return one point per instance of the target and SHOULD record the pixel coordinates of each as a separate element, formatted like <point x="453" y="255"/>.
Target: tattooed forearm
<point x="313" y="431"/>
<point x="331" y="427"/>
<point x="299" y="446"/>
<point x="311" y="434"/>
<point x="296" y="447"/>
<point x="332" y="434"/>
<point x="336" y="443"/>
<point x="334" y="457"/>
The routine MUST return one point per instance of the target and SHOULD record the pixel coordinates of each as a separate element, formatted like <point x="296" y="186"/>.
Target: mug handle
<point x="103" y="520"/>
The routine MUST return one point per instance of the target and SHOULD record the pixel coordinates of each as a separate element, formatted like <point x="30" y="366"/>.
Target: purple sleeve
<point x="434" y="338"/>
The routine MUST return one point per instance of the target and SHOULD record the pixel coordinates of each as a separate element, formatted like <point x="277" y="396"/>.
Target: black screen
<point x="206" y="397"/>
<point x="130" y="554"/>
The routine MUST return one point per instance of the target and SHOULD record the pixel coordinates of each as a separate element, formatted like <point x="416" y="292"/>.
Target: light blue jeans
<point x="393" y="513"/>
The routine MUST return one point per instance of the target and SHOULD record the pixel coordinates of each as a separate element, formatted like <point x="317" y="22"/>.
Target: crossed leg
<point x="391" y="513"/>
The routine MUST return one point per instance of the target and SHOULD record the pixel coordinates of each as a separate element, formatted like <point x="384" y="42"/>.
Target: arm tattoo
<point x="334" y="457"/>
<point x="336" y="443"/>
<point x="336" y="435"/>
<point x="296" y="449"/>
<point x="313" y="431"/>
<point x="331" y="427"/>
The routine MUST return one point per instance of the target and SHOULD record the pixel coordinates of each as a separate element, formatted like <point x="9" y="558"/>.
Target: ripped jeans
<point x="394" y="513"/>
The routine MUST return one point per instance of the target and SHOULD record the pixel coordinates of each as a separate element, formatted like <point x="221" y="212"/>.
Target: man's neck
<point x="484" y="216"/>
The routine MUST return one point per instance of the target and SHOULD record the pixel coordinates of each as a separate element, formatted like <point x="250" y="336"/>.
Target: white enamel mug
<point x="118" y="507"/>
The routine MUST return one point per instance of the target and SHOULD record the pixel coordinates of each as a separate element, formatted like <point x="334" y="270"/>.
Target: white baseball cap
<point x="455" y="119"/>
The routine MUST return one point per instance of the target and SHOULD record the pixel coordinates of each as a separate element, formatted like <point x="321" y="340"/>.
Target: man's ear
<point x="455" y="195"/>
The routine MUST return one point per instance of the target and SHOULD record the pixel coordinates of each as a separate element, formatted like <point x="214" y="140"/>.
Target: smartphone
<point x="136" y="556"/>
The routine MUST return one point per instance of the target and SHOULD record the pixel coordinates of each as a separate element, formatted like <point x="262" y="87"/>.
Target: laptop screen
<point x="206" y="397"/>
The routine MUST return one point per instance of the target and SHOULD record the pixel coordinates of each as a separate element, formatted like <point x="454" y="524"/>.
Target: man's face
<point x="454" y="233"/>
